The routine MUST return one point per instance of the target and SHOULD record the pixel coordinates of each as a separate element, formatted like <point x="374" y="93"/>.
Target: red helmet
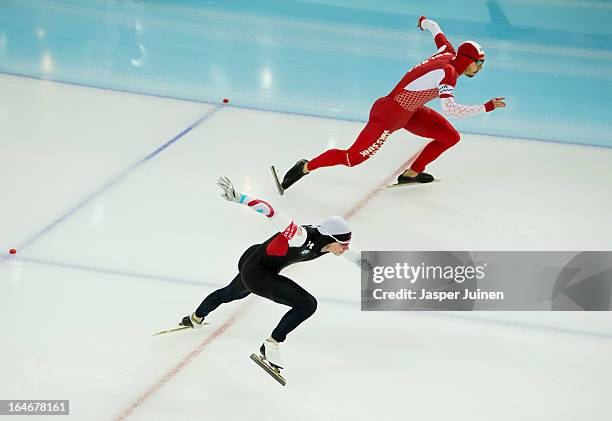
<point x="467" y="53"/>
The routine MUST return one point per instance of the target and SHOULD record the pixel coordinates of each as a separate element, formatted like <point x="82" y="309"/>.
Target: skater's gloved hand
<point x="495" y="103"/>
<point x="431" y="25"/>
<point x="229" y="193"/>
<point x="365" y="265"/>
<point x="420" y="21"/>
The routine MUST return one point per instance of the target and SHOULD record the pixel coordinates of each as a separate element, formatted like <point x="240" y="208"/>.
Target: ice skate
<point x="277" y="182"/>
<point x="270" y="360"/>
<point x="192" y="321"/>
<point x="270" y="350"/>
<point x="294" y="174"/>
<point x="188" y="322"/>
<point x="419" y="179"/>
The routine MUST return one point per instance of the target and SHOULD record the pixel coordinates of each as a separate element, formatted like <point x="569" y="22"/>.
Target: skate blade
<point x="415" y="184"/>
<point x="271" y="371"/>
<point x="279" y="187"/>
<point x="176" y="329"/>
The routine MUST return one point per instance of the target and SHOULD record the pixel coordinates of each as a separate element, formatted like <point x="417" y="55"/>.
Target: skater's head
<point x="470" y="58"/>
<point x="336" y="234"/>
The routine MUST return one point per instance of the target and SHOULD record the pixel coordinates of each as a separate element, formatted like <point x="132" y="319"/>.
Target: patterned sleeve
<point x="295" y="235"/>
<point x="451" y="108"/>
<point x="446" y="92"/>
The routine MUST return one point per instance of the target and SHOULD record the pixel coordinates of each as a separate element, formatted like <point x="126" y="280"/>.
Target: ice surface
<point x="80" y="301"/>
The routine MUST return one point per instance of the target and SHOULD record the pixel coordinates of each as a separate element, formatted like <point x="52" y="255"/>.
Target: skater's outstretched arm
<point x="451" y="108"/>
<point x="285" y="225"/>
<point x="354" y="256"/>
<point x="432" y="26"/>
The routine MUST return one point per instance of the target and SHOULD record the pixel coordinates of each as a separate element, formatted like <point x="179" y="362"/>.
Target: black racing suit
<point x="258" y="272"/>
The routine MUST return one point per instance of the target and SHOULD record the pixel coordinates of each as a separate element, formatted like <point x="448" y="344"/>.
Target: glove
<point x="494" y="103"/>
<point x="431" y="25"/>
<point x="365" y="265"/>
<point x="229" y="193"/>
<point x="421" y="19"/>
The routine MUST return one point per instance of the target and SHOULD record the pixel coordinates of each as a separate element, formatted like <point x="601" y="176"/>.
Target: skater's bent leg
<point x="302" y="303"/>
<point x="234" y="291"/>
<point x="428" y="123"/>
<point x="282" y="290"/>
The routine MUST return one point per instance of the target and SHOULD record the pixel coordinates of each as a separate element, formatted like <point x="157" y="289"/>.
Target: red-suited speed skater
<point x="404" y="108"/>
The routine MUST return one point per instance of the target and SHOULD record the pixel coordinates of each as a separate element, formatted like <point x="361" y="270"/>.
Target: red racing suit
<point x="404" y="107"/>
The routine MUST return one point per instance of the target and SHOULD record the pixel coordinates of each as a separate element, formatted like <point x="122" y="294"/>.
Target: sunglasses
<point x="344" y="243"/>
<point x="479" y="62"/>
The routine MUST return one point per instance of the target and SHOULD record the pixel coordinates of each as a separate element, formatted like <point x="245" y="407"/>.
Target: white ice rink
<point x="112" y="247"/>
